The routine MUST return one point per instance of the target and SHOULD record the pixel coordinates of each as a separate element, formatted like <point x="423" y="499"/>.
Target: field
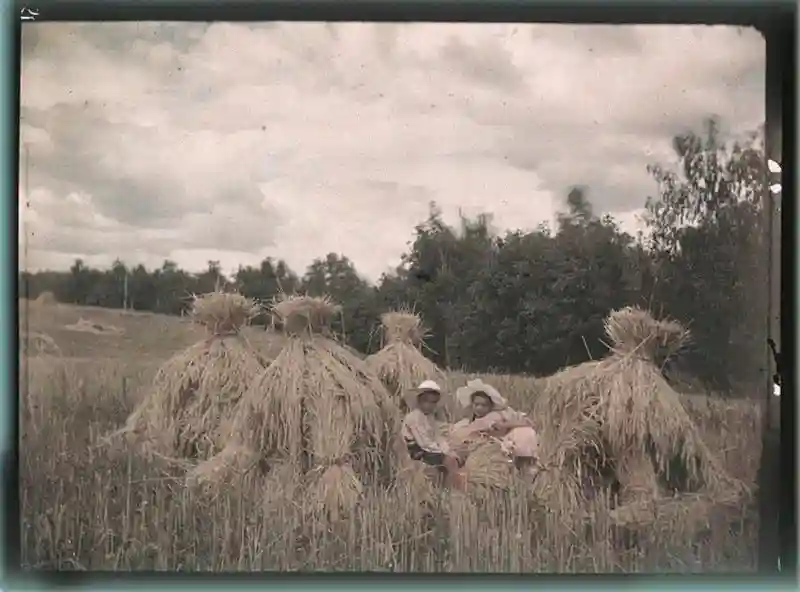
<point x="90" y="506"/>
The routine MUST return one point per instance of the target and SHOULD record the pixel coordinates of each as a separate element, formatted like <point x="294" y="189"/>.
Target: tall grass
<point x="90" y="506"/>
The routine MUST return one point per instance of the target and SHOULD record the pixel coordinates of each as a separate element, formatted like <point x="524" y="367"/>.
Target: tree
<point x="336" y="276"/>
<point x="212" y="278"/>
<point x="142" y="289"/>
<point x="709" y="251"/>
<point x="580" y="211"/>
<point x="120" y="274"/>
<point x="265" y="283"/>
<point x="531" y="301"/>
<point x="79" y="284"/>
<point x="539" y="302"/>
<point x="439" y="271"/>
<point x="286" y="279"/>
<point x="174" y="288"/>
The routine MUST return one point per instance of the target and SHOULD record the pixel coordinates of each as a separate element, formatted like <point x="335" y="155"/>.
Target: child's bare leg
<point x="452" y="476"/>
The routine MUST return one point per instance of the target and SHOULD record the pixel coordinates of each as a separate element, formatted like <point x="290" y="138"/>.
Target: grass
<point x="88" y="506"/>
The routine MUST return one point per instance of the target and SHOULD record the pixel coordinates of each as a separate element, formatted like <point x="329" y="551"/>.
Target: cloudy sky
<point x="235" y="142"/>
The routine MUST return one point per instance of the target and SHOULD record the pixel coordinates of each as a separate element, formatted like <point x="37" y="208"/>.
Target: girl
<point x="491" y="415"/>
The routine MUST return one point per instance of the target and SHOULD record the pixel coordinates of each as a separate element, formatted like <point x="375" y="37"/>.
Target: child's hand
<point x="506" y="425"/>
<point x="524" y="422"/>
<point x="500" y="429"/>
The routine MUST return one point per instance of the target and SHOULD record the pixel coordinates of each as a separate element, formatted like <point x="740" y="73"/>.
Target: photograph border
<point x="776" y="21"/>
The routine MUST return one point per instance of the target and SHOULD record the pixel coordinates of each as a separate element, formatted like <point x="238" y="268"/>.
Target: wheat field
<point x="88" y="505"/>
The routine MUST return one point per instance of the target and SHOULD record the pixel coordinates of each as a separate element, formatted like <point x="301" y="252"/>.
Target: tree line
<point x="533" y="301"/>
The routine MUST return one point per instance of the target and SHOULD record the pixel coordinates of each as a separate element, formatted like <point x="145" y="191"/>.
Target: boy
<point x="422" y="432"/>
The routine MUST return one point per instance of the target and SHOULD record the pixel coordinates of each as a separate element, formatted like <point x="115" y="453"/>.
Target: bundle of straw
<point x="39" y="344"/>
<point x="195" y="392"/>
<point x="334" y="492"/>
<point x="635" y="331"/>
<point x="223" y="313"/>
<point x="400" y="364"/>
<point x="487" y="466"/>
<point x="624" y="407"/>
<point x="564" y="468"/>
<point x="46" y="299"/>
<point x="234" y="461"/>
<point x="319" y="407"/>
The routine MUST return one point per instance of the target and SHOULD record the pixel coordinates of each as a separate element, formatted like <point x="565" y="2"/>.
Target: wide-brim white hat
<point x="426" y="386"/>
<point x="464" y="394"/>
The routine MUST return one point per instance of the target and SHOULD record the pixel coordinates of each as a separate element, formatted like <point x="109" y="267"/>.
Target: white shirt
<point x="425" y="430"/>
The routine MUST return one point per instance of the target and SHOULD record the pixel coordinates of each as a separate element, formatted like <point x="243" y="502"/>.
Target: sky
<point x="235" y="141"/>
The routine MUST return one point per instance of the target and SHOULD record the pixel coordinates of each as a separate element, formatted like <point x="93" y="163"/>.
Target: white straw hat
<point x="426" y="386"/>
<point x="464" y="394"/>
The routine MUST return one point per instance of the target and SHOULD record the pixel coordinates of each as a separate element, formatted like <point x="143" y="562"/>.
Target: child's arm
<point x="483" y="425"/>
<point x="502" y="422"/>
<point x="513" y="419"/>
<point x="487" y="422"/>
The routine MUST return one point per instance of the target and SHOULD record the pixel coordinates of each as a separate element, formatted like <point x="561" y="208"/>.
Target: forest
<point x="532" y="301"/>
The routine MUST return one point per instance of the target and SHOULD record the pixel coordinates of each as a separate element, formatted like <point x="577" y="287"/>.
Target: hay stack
<point x="624" y="410"/>
<point x="570" y="460"/>
<point x="46" y="298"/>
<point x="194" y="393"/>
<point x="317" y="407"/>
<point x="39" y="344"/>
<point x="401" y="364"/>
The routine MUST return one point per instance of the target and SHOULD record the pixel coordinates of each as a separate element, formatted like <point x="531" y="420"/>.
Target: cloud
<point x="233" y="142"/>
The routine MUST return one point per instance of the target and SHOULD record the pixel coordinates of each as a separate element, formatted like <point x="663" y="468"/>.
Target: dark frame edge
<point x="773" y="19"/>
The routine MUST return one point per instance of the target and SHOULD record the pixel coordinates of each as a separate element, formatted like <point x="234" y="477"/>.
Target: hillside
<point x="102" y="333"/>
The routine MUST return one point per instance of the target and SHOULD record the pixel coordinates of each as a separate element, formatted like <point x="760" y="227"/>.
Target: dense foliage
<point x="532" y="302"/>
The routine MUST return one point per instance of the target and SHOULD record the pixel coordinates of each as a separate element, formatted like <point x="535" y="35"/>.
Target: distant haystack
<point x="189" y="406"/>
<point x="39" y="344"/>
<point x="621" y="412"/>
<point x="85" y="326"/>
<point x="317" y="407"/>
<point x="46" y="298"/>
